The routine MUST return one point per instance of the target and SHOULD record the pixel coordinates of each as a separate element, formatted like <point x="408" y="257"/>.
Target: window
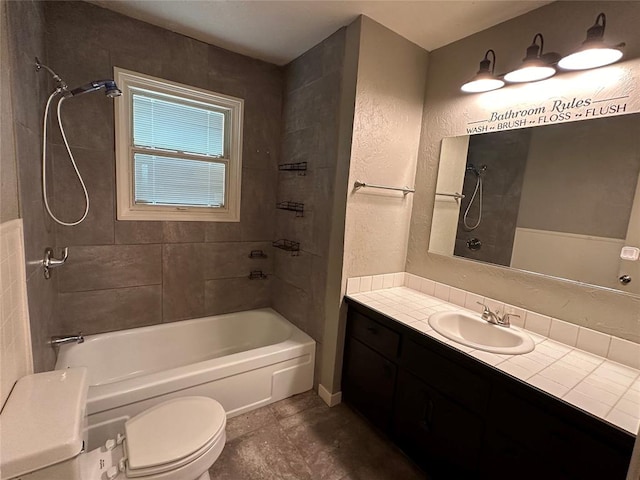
<point x="178" y="151"/>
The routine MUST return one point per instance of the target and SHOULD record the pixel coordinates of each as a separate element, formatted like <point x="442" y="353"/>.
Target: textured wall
<point x="445" y="113"/>
<point x="310" y="134"/>
<point x="29" y="89"/>
<point x="8" y="167"/>
<point x="389" y="93"/>
<point x="133" y="273"/>
<point x="386" y="131"/>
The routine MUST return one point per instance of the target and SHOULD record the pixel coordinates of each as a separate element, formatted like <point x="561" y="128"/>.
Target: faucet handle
<point x="505" y="320"/>
<point x="486" y="312"/>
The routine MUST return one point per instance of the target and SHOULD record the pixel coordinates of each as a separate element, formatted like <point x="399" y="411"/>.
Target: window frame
<point x="233" y="107"/>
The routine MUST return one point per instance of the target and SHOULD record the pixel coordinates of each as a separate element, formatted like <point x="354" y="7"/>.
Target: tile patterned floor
<point x="301" y="438"/>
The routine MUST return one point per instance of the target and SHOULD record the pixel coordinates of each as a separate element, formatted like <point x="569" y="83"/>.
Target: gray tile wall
<point x="310" y="134"/>
<point x="29" y="89"/>
<point x="128" y="274"/>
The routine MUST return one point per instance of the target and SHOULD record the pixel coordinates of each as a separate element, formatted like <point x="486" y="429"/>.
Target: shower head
<point x="472" y="168"/>
<point x="111" y="90"/>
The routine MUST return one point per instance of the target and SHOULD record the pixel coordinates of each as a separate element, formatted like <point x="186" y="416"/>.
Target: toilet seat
<point x="172" y="435"/>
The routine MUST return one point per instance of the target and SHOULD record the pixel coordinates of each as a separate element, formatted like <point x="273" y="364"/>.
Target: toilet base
<point x="204" y="476"/>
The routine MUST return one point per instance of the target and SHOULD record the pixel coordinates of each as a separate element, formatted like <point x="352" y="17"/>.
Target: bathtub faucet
<point x="58" y="340"/>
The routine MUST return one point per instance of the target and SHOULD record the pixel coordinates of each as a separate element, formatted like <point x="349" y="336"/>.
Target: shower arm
<point x="62" y="86"/>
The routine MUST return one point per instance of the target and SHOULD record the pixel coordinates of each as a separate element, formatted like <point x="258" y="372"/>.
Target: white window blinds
<point x="178" y="128"/>
<point x="172" y="125"/>
<point x="161" y="180"/>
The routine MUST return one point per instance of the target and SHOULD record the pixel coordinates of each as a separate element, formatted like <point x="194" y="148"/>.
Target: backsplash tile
<point x="442" y="291"/>
<point x="594" y="342"/>
<point x="564" y="332"/>
<point x="624" y="351"/>
<point x="538" y="323"/>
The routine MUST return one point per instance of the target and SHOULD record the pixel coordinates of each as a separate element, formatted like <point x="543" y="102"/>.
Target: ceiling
<point x="279" y="31"/>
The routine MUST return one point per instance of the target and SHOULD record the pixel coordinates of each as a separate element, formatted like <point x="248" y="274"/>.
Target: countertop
<point x="604" y="388"/>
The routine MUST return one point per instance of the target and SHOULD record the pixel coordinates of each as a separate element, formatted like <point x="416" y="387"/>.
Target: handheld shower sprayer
<point x="478" y="172"/>
<point x="111" y="90"/>
<point x="63" y="92"/>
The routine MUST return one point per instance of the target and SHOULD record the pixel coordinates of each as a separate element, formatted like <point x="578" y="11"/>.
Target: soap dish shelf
<point x="292" y="207"/>
<point x="300" y="167"/>
<point x="287" y="246"/>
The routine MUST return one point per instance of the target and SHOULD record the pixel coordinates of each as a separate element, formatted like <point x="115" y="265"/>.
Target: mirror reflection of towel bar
<point x="454" y="195"/>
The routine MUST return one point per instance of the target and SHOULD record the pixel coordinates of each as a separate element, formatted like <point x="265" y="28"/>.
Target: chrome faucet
<point x="495" y="318"/>
<point x="58" y="340"/>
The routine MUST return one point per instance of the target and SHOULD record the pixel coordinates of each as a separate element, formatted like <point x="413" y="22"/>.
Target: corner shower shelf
<point x="287" y="246"/>
<point x="257" y="274"/>
<point x="293" y="207"/>
<point x="300" y="167"/>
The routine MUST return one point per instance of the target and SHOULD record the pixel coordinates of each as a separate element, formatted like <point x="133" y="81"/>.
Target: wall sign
<point x="570" y="97"/>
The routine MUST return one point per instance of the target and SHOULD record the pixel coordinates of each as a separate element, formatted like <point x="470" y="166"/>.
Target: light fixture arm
<point x="534" y="50"/>
<point x="596" y="32"/>
<point x="484" y="64"/>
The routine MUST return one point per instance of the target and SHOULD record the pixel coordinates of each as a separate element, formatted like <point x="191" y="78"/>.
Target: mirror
<point x="561" y="200"/>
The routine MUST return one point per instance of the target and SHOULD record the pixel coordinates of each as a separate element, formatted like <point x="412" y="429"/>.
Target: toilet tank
<point x="42" y="422"/>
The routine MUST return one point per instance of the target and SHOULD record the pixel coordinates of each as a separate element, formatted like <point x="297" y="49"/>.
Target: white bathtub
<point x="244" y="360"/>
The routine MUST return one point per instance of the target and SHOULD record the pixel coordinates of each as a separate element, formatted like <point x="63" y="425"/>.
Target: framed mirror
<point x="561" y="200"/>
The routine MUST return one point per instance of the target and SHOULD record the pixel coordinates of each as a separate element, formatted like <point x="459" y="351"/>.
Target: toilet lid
<point x="172" y="430"/>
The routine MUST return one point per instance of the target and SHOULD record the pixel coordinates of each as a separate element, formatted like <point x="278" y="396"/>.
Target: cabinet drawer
<point x="455" y="381"/>
<point x="375" y="335"/>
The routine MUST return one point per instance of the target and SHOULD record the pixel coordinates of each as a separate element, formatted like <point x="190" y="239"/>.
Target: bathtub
<point x="243" y="360"/>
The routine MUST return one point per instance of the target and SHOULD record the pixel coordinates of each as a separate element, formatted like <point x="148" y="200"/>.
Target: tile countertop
<point x="604" y="388"/>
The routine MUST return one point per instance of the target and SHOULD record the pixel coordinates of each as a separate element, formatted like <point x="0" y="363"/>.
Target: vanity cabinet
<point x="459" y="418"/>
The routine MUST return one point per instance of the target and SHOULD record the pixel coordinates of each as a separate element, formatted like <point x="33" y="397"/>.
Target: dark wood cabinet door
<point x="439" y="434"/>
<point x="368" y="382"/>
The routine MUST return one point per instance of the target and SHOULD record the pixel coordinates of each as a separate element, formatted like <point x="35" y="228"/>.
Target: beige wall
<point x="446" y="113"/>
<point x="8" y="168"/>
<point x="386" y="130"/>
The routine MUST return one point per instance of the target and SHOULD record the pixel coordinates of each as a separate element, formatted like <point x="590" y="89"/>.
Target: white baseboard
<point x="331" y="399"/>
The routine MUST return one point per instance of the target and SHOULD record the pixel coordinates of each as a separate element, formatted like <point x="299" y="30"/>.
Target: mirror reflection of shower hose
<point x="477" y="192"/>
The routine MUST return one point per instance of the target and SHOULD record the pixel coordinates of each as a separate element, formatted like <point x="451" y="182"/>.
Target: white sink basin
<point x="471" y="330"/>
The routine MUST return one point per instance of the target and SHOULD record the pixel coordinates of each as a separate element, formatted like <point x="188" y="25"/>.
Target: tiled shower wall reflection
<point x="128" y="274"/>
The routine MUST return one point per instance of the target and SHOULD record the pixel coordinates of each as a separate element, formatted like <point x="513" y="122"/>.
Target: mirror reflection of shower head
<point x="111" y="90"/>
<point x="472" y="168"/>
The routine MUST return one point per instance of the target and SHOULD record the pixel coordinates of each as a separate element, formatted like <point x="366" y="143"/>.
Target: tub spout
<point x="63" y="339"/>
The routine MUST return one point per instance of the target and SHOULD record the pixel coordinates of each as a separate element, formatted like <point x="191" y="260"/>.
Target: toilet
<point x="43" y="427"/>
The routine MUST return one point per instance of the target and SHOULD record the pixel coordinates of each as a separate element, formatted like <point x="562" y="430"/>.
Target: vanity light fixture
<point x="594" y="52"/>
<point x="534" y="67"/>
<point x="484" y="80"/>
